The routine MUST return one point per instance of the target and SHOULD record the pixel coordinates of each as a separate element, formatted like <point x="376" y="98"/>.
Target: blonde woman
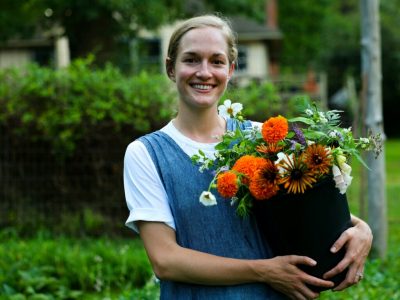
<point x="210" y="253"/>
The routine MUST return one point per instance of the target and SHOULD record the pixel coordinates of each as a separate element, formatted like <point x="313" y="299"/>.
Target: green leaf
<point x="302" y="120"/>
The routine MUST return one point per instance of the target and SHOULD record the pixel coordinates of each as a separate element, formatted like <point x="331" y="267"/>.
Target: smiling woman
<point x="201" y="72"/>
<point x="208" y="253"/>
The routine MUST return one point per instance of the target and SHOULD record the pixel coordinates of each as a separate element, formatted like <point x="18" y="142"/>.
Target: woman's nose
<point x="204" y="70"/>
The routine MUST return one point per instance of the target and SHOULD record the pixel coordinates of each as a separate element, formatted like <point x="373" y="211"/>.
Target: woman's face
<point x="202" y="68"/>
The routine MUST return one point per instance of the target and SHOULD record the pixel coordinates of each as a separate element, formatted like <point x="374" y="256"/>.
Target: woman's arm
<point x="358" y="241"/>
<point x="173" y="262"/>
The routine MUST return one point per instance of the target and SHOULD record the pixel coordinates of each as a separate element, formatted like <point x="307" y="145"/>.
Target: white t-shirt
<point x="145" y="195"/>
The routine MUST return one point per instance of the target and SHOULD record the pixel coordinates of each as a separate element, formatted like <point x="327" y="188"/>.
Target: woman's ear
<point x="169" y="67"/>
<point x="231" y="70"/>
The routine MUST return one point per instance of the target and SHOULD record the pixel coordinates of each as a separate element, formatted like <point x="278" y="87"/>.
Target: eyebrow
<point x="195" y="53"/>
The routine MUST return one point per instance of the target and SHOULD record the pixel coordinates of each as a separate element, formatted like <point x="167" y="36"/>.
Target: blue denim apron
<point x="214" y="229"/>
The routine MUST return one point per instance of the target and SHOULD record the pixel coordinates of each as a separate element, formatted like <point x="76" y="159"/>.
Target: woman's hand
<point x="284" y="275"/>
<point x="357" y="240"/>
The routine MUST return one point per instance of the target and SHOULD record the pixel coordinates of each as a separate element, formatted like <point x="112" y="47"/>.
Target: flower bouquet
<point x="292" y="176"/>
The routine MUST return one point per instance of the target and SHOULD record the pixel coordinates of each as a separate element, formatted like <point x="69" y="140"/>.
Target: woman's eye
<point x="219" y="62"/>
<point x="189" y="60"/>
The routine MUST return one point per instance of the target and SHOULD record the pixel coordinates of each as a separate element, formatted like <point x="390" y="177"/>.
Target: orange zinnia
<point x="275" y="129"/>
<point x="264" y="183"/>
<point x="248" y="165"/>
<point x="227" y="184"/>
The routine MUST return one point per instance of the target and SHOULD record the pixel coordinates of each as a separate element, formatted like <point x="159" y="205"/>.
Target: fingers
<point x="339" y="268"/>
<point x="354" y="276"/>
<point x="305" y="295"/>
<point x="341" y="241"/>
<point x="301" y="260"/>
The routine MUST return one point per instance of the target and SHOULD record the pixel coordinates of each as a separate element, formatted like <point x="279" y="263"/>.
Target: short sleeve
<point x="145" y="195"/>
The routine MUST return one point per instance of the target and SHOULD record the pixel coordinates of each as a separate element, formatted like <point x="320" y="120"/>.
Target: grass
<point x="382" y="279"/>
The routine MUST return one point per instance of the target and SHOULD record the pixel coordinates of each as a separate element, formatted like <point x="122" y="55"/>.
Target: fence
<point x="82" y="192"/>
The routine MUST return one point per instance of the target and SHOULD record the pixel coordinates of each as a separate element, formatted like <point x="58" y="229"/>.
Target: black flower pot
<point x="306" y="224"/>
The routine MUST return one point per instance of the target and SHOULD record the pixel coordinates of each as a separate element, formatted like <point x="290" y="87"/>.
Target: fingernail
<point x="333" y="249"/>
<point x="313" y="262"/>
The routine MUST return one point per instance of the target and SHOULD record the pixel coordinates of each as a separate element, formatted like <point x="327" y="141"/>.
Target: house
<point x="42" y="50"/>
<point x="258" y="46"/>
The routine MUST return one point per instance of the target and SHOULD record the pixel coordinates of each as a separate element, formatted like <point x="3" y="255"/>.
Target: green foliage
<point x="260" y="100"/>
<point x="301" y="24"/>
<point x="61" y="268"/>
<point x="62" y="107"/>
<point x="253" y="9"/>
<point x="65" y="106"/>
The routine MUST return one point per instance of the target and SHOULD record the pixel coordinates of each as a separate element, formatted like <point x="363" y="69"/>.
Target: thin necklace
<point x="221" y="125"/>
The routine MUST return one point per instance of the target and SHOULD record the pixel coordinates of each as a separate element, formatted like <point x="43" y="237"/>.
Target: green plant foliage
<point x="260" y="100"/>
<point x="61" y="268"/>
<point x="64" y="106"/>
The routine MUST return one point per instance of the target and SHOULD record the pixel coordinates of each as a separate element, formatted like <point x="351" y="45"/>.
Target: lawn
<point x="47" y="267"/>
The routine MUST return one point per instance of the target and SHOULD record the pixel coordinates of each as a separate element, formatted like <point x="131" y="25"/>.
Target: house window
<point x="242" y="59"/>
<point x="146" y="54"/>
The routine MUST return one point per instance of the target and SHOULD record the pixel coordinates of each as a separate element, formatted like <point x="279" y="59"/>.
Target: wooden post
<point x="372" y="77"/>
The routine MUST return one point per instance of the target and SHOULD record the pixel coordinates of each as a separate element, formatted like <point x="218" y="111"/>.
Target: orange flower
<point x="264" y="183"/>
<point x="271" y="150"/>
<point x="248" y="165"/>
<point x="296" y="176"/>
<point x="318" y="158"/>
<point x="227" y="184"/>
<point x="275" y="129"/>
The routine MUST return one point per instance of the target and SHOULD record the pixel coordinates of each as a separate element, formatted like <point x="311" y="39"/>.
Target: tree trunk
<point x="372" y="76"/>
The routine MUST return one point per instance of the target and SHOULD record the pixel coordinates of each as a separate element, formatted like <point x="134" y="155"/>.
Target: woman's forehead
<point x="209" y="39"/>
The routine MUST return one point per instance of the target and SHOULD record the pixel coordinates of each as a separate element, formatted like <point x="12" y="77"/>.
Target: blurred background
<point x="80" y="80"/>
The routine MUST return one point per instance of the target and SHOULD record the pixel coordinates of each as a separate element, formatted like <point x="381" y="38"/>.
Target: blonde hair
<point x="201" y="22"/>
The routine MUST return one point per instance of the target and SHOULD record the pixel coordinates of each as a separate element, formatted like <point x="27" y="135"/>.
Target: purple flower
<point x="293" y="144"/>
<point x="299" y="135"/>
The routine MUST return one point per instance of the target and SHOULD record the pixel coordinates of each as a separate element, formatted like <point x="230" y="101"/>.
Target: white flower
<point x="342" y="177"/>
<point x="347" y="130"/>
<point x="229" y="109"/>
<point x="309" y="112"/>
<point x="287" y="158"/>
<point x="218" y="155"/>
<point x="341" y="159"/>
<point x="322" y="118"/>
<point x="234" y="200"/>
<point x="334" y="134"/>
<point x="230" y="133"/>
<point x="207" y="199"/>
<point x="309" y="142"/>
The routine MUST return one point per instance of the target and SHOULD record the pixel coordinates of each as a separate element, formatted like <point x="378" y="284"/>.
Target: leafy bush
<point x="61" y="268"/>
<point x="66" y="105"/>
<point x="63" y="137"/>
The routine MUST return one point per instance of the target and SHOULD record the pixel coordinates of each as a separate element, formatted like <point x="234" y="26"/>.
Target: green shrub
<point x="61" y="268"/>
<point x="66" y="105"/>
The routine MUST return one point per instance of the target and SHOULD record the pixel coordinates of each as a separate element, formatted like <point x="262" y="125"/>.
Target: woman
<point x="210" y="253"/>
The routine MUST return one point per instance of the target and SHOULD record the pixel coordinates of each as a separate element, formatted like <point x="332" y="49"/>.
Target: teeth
<point x="202" y="86"/>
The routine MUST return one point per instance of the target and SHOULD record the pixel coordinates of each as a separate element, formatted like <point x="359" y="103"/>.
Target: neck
<point x="201" y="126"/>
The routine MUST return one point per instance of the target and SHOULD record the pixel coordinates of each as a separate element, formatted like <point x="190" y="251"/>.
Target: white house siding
<point x="257" y="60"/>
<point x="14" y="58"/>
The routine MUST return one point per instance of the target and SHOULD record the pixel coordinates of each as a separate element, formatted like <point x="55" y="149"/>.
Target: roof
<point x="28" y="43"/>
<point x="248" y="29"/>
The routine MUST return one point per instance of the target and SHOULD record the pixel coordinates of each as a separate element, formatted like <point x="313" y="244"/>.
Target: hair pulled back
<point x="202" y="22"/>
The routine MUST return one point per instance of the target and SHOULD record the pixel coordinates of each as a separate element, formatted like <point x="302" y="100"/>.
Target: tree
<point x="301" y="23"/>
<point x="104" y="27"/>
<point x="372" y="77"/>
